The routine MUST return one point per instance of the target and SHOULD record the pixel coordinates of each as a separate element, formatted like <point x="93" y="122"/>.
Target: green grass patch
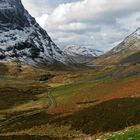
<point x="128" y="134"/>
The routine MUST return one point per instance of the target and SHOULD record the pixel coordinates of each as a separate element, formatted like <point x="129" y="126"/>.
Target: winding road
<point x="51" y="104"/>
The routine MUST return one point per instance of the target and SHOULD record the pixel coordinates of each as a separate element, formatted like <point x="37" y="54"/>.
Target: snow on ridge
<point x="81" y="50"/>
<point x="25" y="36"/>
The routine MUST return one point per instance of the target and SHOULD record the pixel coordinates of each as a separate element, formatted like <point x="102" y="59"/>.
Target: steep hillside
<point x="22" y="38"/>
<point x="122" y="53"/>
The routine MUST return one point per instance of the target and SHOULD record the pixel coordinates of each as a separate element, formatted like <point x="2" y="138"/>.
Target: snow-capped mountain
<point x="21" y="37"/>
<point x="131" y="42"/>
<point x="127" y="48"/>
<point x="81" y="54"/>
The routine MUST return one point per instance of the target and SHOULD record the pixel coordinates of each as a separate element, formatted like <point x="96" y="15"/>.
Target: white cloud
<point x="42" y="20"/>
<point x="36" y="7"/>
<point x="130" y="22"/>
<point x="97" y="23"/>
<point x="92" y="9"/>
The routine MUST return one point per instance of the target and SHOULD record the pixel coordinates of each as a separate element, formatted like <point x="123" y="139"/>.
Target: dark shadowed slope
<point x="22" y="38"/>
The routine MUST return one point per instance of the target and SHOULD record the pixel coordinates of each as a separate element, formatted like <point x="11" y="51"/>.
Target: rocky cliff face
<point x="22" y="38"/>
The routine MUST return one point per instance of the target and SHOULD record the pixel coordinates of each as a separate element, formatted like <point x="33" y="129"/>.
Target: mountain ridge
<point x="81" y="54"/>
<point x="22" y="37"/>
<point x="128" y="47"/>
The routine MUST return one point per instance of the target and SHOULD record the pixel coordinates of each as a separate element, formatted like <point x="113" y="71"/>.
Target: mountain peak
<point x="20" y="33"/>
<point x="13" y="15"/>
<point x="128" y="48"/>
<point x="81" y="54"/>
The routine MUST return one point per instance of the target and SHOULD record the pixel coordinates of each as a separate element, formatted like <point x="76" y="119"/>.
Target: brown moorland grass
<point x="95" y="101"/>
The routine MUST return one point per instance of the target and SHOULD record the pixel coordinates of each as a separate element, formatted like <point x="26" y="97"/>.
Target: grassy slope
<point x="132" y="133"/>
<point x="84" y="99"/>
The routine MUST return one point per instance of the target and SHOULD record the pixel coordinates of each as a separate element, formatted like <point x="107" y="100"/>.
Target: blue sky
<point x="99" y="24"/>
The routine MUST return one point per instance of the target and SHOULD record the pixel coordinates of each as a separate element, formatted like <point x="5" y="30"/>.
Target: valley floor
<point x="93" y="104"/>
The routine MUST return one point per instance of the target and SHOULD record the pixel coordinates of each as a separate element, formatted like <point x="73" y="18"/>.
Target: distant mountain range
<point x="81" y="54"/>
<point x="22" y="39"/>
<point x="128" y="51"/>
